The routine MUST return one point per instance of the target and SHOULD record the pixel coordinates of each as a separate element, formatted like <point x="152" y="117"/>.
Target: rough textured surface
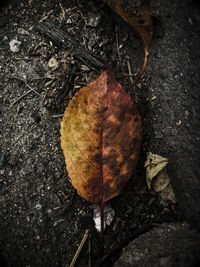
<point x="174" y="72"/>
<point x="174" y="245"/>
<point x="37" y="227"/>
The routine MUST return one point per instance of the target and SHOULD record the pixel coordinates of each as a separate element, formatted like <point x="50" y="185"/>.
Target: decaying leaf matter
<point x="100" y="138"/>
<point x="138" y="18"/>
<point x="157" y="178"/>
<point x="140" y="21"/>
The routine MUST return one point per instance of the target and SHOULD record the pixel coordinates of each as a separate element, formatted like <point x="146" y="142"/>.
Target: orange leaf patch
<point x="100" y="139"/>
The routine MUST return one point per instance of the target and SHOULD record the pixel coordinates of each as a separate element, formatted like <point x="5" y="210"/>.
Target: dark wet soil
<point x="37" y="226"/>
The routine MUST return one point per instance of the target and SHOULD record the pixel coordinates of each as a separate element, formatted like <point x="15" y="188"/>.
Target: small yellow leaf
<point x="156" y="164"/>
<point x="157" y="178"/>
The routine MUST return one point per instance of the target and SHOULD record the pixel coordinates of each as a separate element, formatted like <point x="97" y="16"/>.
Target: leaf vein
<point x="78" y="146"/>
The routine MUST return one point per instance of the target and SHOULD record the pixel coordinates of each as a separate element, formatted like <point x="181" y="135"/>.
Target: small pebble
<point x="15" y="46"/>
<point x="38" y="206"/>
<point x="49" y="211"/>
<point x="37" y="237"/>
<point x="53" y="63"/>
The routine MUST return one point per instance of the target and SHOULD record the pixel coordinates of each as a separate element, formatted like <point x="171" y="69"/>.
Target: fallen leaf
<point x="100" y="139"/>
<point x="157" y="178"/>
<point x="163" y="186"/>
<point x="138" y="18"/>
<point x="140" y="21"/>
<point x="154" y="164"/>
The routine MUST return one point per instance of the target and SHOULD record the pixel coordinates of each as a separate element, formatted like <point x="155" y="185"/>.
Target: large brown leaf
<point x="100" y="138"/>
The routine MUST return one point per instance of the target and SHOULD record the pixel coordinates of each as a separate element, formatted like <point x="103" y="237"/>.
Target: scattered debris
<point x="157" y="178"/>
<point x="94" y="20"/>
<point x="38" y="206"/>
<point x="65" y="40"/>
<point x="140" y="20"/>
<point x="15" y="46"/>
<point x="53" y="63"/>
<point x="108" y="216"/>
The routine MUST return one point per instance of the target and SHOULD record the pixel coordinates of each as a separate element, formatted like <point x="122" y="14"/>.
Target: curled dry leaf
<point x="154" y="164"/>
<point x="100" y="138"/>
<point x="141" y="22"/>
<point x="157" y="178"/>
<point x="138" y="18"/>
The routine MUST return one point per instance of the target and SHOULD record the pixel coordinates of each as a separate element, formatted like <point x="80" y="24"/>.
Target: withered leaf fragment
<point x="138" y="18"/>
<point x="100" y="139"/>
<point x="157" y="178"/>
<point x="140" y="21"/>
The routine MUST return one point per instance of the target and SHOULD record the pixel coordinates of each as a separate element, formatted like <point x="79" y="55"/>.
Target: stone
<point x="15" y="46"/>
<point x="173" y="245"/>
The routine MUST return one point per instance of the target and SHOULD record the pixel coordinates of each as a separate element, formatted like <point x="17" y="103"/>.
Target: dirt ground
<point x="42" y="219"/>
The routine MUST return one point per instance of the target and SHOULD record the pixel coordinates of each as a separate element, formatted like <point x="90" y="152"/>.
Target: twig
<point x="131" y="78"/>
<point x="42" y="101"/>
<point x="81" y="12"/>
<point x="129" y="72"/>
<point x="117" y="42"/>
<point x="58" y="116"/>
<point x="68" y="204"/>
<point x="27" y="79"/>
<point x="18" y="99"/>
<point x="63" y="12"/>
<point x="32" y="88"/>
<point x="65" y="40"/>
<point x="85" y="237"/>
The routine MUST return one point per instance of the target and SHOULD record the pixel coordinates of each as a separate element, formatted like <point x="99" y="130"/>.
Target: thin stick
<point x="31" y="88"/>
<point x="20" y="98"/>
<point x="81" y="12"/>
<point x="20" y="79"/>
<point x="117" y="42"/>
<point x="85" y="237"/>
<point x="58" y="116"/>
<point x="129" y="72"/>
<point x="27" y="79"/>
<point x="138" y="77"/>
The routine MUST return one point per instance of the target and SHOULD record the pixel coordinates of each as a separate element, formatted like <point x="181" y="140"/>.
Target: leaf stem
<point x="102" y="226"/>
<point x="139" y="75"/>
